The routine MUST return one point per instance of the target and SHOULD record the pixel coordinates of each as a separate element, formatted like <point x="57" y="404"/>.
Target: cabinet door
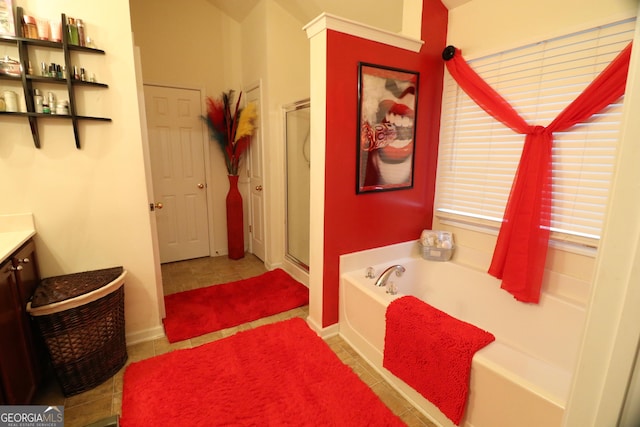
<point x="16" y="372"/>
<point x="27" y="277"/>
<point x="26" y="264"/>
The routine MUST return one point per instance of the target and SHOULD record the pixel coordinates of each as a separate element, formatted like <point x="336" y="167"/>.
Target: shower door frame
<point x="294" y="106"/>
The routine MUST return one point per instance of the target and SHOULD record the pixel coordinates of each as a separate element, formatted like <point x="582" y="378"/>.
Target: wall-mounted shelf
<point x="29" y="80"/>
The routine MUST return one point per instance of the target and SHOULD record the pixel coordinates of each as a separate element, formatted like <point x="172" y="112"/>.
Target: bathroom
<point x="88" y="229"/>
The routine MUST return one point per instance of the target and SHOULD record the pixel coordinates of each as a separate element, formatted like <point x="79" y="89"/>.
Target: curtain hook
<point x="448" y="52"/>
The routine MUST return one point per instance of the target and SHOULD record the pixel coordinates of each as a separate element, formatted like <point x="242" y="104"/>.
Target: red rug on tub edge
<point x="432" y="352"/>
<point x="280" y="374"/>
<point x="200" y="311"/>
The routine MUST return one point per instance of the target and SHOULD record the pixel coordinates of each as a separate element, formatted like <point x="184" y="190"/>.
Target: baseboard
<point x="296" y="272"/>
<point x="272" y="265"/>
<point x="145" y="335"/>
<point x="324" y="333"/>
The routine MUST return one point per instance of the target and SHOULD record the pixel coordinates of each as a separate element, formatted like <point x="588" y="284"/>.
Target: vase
<point x="235" y="223"/>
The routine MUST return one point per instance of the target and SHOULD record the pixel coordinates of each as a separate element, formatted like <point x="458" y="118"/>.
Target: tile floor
<point x="106" y="399"/>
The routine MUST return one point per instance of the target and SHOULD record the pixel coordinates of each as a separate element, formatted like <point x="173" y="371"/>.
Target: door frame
<point x="149" y="181"/>
<point x="207" y="157"/>
<point x="294" y="106"/>
<point x="258" y="85"/>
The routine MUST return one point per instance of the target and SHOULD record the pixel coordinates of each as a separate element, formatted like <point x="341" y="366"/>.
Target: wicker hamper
<point x="81" y="319"/>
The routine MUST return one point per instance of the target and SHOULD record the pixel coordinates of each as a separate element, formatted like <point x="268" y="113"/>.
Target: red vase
<point x="235" y="223"/>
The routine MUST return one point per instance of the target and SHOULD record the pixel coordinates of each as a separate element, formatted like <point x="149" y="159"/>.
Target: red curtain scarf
<point x="521" y="248"/>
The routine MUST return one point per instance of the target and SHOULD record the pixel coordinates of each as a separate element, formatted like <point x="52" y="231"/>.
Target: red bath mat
<point x="281" y="374"/>
<point x="432" y="352"/>
<point x="200" y="311"/>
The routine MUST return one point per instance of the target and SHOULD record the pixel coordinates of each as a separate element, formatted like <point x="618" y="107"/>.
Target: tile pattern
<point x="106" y="399"/>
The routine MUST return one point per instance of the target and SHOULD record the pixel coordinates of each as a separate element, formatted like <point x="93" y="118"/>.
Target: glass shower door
<point x="298" y="163"/>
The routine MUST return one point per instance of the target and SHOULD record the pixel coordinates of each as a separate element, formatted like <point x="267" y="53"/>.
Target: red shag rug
<point x="280" y="374"/>
<point x="432" y="352"/>
<point x="200" y="311"/>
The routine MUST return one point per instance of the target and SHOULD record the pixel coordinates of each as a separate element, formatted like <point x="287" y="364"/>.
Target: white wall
<point x="193" y="45"/>
<point x="486" y="26"/>
<point x="275" y="51"/>
<point x="90" y="206"/>
<point x="612" y="333"/>
<point x="473" y="29"/>
<point x="216" y="53"/>
<point x="610" y="286"/>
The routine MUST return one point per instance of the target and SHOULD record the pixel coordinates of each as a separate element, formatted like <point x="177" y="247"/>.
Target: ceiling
<point x="382" y="14"/>
<point x="237" y="9"/>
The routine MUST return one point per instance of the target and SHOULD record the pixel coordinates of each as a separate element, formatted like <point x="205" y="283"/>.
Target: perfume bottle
<point x="52" y="103"/>
<point x="72" y="29"/>
<point x="81" y="34"/>
<point x="38" y="100"/>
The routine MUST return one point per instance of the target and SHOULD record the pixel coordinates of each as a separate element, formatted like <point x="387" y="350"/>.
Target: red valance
<point x="521" y="248"/>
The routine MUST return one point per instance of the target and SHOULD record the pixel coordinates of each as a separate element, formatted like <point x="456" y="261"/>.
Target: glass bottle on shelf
<point x="81" y="35"/>
<point x="38" y="101"/>
<point x="73" y="31"/>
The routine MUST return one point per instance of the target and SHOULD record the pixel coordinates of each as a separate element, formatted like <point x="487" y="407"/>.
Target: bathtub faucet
<point x="398" y="269"/>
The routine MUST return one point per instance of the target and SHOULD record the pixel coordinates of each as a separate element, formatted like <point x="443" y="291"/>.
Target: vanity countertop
<point x="15" y="230"/>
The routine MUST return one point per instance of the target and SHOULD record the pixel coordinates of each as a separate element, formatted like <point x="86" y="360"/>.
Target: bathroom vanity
<point x="20" y="360"/>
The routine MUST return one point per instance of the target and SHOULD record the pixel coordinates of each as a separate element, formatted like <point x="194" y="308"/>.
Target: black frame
<point x="387" y="112"/>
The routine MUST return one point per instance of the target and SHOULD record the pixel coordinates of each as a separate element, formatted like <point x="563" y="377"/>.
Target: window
<point x="478" y="156"/>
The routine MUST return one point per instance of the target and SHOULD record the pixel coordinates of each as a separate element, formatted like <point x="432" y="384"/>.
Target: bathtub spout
<point x="382" y="280"/>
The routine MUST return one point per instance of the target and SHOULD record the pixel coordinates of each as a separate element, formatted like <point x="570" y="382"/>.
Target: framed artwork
<point x="387" y="108"/>
<point x="7" y="24"/>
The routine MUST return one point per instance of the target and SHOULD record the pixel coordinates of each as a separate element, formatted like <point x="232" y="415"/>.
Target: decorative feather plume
<point x="236" y="114"/>
<point x="215" y="111"/>
<point x="232" y="129"/>
<point x="246" y="122"/>
<point x="241" y="145"/>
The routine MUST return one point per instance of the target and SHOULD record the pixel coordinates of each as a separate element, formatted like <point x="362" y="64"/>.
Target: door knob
<point x="200" y="185"/>
<point x="258" y="187"/>
<point x="158" y="205"/>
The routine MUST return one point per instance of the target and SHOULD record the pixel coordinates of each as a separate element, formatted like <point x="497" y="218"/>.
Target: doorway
<point x="176" y="148"/>
<point x="297" y="125"/>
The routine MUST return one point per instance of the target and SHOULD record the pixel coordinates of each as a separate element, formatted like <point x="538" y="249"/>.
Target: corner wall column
<point x="318" y="91"/>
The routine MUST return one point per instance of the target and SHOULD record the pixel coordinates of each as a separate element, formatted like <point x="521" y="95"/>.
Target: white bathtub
<point x="521" y="379"/>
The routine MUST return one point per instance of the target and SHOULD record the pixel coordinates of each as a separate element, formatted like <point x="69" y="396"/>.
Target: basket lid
<point x="60" y="288"/>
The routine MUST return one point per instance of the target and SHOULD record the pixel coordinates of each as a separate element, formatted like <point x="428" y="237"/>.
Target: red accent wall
<point x="358" y="222"/>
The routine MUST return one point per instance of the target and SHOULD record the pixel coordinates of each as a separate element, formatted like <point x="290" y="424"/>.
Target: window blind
<point x="478" y="156"/>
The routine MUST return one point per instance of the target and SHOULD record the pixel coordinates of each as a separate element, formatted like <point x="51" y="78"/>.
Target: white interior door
<point x="256" y="182"/>
<point x="176" y="141"/>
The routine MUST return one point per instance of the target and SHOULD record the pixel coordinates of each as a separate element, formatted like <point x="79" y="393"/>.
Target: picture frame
<point x="7" y="20"/>
<point x="387" y="111"/>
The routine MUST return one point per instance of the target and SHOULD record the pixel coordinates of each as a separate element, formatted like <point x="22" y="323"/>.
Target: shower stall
<point x="298" y="163"/>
